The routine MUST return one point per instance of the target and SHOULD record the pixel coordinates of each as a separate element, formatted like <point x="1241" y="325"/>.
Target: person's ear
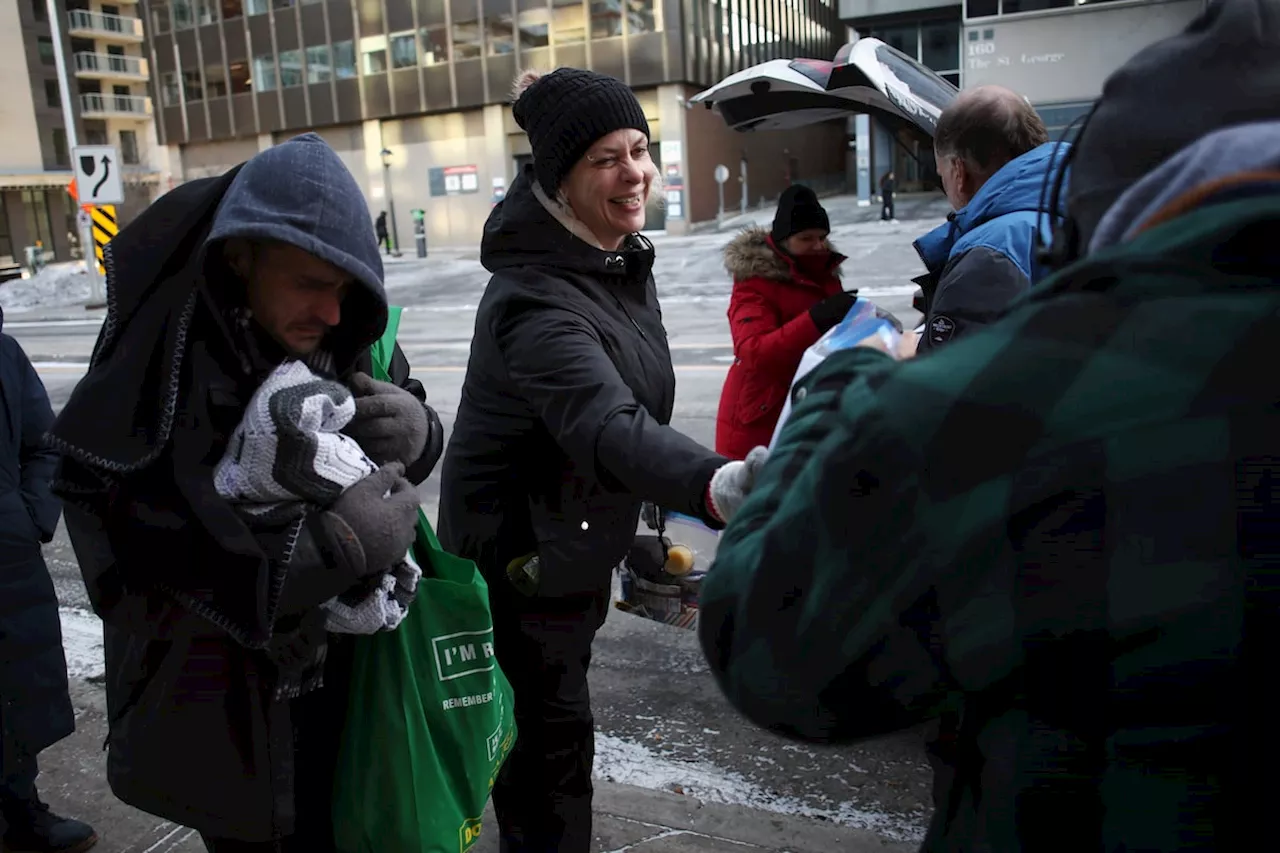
<point x="239" y="256"/>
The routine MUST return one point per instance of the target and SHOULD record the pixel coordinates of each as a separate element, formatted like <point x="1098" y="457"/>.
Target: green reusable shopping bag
<point x="430" y="717"/>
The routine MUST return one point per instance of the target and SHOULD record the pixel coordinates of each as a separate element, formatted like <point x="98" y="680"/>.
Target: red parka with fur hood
<point x="771" y="327"/>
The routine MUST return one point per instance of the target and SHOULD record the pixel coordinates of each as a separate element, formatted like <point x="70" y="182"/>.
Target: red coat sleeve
<point x="761" y="339"/>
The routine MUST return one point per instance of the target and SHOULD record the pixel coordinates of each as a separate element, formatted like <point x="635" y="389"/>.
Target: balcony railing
<point x="99" y="25"/>
<point x="133" y="106"/>
<point x="110" y="65"/>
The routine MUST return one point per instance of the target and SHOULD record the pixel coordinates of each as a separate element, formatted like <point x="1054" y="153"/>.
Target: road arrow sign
<point x="97" y="169"/>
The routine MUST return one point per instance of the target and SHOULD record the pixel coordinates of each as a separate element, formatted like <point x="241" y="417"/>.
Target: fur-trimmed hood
<point x="751" y="254"/>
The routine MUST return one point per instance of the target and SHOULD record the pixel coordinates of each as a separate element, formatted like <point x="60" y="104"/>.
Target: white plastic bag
<point x="863" y="320"/>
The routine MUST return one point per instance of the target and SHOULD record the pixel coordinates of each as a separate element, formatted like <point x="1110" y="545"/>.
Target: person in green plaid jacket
<point x="1066" y="530"/>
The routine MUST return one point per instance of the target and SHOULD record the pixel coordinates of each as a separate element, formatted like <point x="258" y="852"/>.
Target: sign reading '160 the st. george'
<point x="97" y="169"/>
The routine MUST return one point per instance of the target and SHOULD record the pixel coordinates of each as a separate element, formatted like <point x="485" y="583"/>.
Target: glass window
<point x="240" y="80"/>
<point x="344" y="60"/>
<point x="160" y="18"/>
<point x="39" y="226"/>
<point x="404" y="50"/>
<point x="905" y="39"/>
<point x="183" y="16"/>
<point x="208" y="11"/>
<point x="45" y="46"/>
<point x="318" y="68"/>
<point x="52" y="96"/>
<point x="373" y="50"/>
<point x="940" y="46"/>
<point x="1014" y="6"/>
<point x="568" y="25"/>
<point x="231" y="9"/>
<point x="264" y="73"/>
<point x="169" y="93"/>
<point x="215" y="81"/>
<point x="640" y="16"/>
<point x="435" y="45"/>
<point x="981" y="8"/>
<point x="256" y="7"/>
<point x="282" y="4"/>
<point x="39" y="10"/>
<point x="61" y="156"/>
<point x="606" y="18"/>
<point x="466" y="40"/>
<point x="953" y="78"/>
<point x="500" y="34"/>
<point x="129" y="147"/>
<point x="535" y="28"/>
<point x="290" y="68"/>
<point x="192" y="88"/>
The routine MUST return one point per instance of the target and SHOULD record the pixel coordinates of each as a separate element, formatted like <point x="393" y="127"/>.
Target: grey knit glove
<point x="731" y="484"/>
<point x="390" y="423"/>
<point x="376" y="520"/>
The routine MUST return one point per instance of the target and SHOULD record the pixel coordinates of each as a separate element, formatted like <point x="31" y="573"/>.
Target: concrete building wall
<point x="1069" y="55"/>
<point x="19" y="129"/>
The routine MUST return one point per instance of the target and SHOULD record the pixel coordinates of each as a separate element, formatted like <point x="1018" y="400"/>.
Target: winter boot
<point x="32" y="828"/>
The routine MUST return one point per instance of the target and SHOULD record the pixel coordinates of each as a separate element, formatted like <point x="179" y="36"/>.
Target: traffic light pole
<point x="96" y="294"/>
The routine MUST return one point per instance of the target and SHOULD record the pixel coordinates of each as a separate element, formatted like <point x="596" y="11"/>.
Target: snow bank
<point x="55" y="285"/>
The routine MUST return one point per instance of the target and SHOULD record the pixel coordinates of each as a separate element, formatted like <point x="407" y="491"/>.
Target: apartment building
<point x="1057" y="53"/>
<point x="103" y="45"/>
<point x="414" y="94"/>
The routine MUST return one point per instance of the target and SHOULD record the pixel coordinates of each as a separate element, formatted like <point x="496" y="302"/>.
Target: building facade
<point x="108" y="74"/>
<point x="1057" y="53"/>
<point x="414" y="94"/>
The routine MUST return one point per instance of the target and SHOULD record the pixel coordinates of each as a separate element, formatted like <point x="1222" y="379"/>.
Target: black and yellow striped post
<point x="104" y="228"/>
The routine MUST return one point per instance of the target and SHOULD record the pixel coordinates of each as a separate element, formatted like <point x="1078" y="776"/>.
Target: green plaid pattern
<point x="1065" y="529"/>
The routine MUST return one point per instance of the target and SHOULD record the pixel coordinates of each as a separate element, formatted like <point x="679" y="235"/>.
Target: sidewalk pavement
<point x="635" y="820"/>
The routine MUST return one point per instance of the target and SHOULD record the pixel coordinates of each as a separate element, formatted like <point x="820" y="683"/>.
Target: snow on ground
<point x="54" y="286"/>
<point x="82" y="643"/>
<point x="629" y="763"/>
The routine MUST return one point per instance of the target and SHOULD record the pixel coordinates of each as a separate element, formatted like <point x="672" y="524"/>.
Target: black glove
<point x="375" y="521"/>
<point x="830" y="311"/>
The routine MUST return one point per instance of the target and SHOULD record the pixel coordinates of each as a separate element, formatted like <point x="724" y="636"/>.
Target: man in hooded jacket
<point x="225" y="695"/>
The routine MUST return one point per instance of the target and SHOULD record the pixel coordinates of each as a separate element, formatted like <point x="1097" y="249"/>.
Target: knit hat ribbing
<point x="798" y="210"/>
<point x="569" y="110"/>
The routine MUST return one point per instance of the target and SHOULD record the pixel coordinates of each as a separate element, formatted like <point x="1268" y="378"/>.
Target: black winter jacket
<point x="562" y="429"/>
<point x="35" y="709"/>
<point x="186" y="592"/>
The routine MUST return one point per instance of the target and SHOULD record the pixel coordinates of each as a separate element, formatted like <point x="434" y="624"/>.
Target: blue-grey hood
<point x="301" y="193"/>
<point x="1253" y="147"/>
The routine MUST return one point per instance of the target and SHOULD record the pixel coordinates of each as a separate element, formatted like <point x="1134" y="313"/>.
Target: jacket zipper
<point x="616" y="299"/>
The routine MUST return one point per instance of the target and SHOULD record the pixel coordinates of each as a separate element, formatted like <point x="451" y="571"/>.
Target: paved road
<point x="662" y="721"/>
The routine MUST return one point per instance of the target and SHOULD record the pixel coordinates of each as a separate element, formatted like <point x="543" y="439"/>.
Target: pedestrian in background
<point x="380" y="228"/>
<point x="562" y="432"/>
<point x="35" y="705"/>
<point x="888" y="186"/>
<point x="786" y="295"/>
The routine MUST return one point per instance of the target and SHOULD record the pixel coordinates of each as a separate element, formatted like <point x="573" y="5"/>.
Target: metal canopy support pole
<point x="96" y="294"/>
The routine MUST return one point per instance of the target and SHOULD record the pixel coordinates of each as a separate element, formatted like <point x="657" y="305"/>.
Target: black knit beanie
<point x="798" y="210"/>
<point x="569" y="110"/>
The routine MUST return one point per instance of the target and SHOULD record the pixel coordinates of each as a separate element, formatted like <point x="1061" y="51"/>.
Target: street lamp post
<point x="391" y="202"/>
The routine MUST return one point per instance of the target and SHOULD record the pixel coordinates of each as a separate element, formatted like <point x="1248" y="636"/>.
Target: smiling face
<point x="294" y="296"/>
<point x="608" y="187"/>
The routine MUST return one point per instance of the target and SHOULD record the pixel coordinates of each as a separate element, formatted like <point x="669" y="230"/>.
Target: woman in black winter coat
<point x="35" y="706"/>
<point x="563" y="430"/>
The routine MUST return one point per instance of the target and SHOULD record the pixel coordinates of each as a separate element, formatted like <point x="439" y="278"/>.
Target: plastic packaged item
<point x="649" y="588"/>
<point x="864" y="320"/>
